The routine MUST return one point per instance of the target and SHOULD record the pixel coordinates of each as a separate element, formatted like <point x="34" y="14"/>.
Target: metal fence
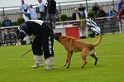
<point x="8" y="34"/>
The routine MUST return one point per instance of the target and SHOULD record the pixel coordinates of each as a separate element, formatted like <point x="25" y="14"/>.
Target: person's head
<point x="81" y="5"/>
<point x="100" y="8"/>
<point x="5" y="17"/>
<point x="121" y="0"/>
<point x="112" y="8"/>
<point x="22" y="1"/>
<point x="76" y="10"/>
<point x="48" y="0"/>
<point x="95" y="4"/>
<point x="31" y="6"/>
<point x="39" y="1"/>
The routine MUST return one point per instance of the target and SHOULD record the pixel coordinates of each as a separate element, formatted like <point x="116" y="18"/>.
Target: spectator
<point x="6" y="32"/>
<point x="33" y="12"/>
<point x="95" y="8"/>
<point x="51" y="6"/>
<point x="101" y="13"/>
<point x="121" y="18"/>
<point x="76" y="15"/>
<point x="81" y="10"/>
<point x="42" y="9"/>
<point x="120" y="4"/>
<point x="113" y="14"/>
<point x="25" y="9"/>
<point x="121" y="13"/>
<point x="6" y="21"/>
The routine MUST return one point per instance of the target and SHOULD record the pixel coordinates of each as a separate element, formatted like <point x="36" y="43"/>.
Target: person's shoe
<point x="37" y="65"/>
<point x="49" y="67"/>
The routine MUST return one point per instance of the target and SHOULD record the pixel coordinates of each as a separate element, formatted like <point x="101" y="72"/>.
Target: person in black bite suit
<point x="43" y="41"/>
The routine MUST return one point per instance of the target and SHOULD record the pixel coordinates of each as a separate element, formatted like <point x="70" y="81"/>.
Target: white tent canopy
<point x="7" y="3"/>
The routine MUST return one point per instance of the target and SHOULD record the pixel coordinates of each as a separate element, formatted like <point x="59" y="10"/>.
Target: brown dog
<point x="73" y="45"/>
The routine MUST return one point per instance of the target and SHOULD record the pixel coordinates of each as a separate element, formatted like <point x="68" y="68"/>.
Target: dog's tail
<point x="98" y="41"/>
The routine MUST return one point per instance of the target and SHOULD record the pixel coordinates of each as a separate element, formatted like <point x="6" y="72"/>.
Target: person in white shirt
<point x="42" y="9"/>
<point x="33" y="13"/>
<point x="25" y="9"/>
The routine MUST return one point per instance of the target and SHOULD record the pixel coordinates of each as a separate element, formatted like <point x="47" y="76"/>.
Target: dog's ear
<point x="60" y="33"/>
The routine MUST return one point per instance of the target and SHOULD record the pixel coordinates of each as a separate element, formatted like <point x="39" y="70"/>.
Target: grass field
<point x="110" y="67"/>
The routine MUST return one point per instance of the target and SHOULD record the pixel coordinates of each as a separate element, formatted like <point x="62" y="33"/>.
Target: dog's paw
<point x="67" y="67"/>
<point x="64" y="65"/>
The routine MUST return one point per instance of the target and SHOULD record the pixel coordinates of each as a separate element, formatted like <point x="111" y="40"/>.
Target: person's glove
<point x="18" y="42"/>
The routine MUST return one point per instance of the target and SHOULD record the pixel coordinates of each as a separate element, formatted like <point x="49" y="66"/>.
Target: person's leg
<point x="111" y="28"/>
<point x="47" y="44"/>
<point x="37" y="51"/>
<point x="50" y="20"/>
<point x="114" y="26"/>
<point x="42" y="15"/>
<point x="53" y="18"/>
<point x="102" y="27"/>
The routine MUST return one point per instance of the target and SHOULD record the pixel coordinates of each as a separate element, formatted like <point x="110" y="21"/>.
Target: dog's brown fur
<point x="71" y="44"/>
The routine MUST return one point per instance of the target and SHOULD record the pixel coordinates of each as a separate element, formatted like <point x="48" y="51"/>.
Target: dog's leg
<point x="84" y="55"/>
<point x="69" y="60"/>
<point x="96" y="59"/>
<point x="85" y="62"/>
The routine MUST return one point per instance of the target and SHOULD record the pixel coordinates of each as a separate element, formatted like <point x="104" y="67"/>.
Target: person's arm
<point x="119" y="6"/>
<point x="10" y="22"/>
<point x="45" y="7"/>
<point x="93" y="8"/>
<point x="73" y="17"/>
<point x="79" y="15"/>
<point x="116" y="14"/>
<point x="22" y="9"/>
<point x="104" y="14"/>
<point x="120" y="14"/>
<point x="3" y="23"/>
<point x="98" y="13"/>
<point x="54" y="5"/>
<point x="110" y="14"/>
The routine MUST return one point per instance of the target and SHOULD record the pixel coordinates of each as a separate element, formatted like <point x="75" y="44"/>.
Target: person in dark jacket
<point x="81" y="10"/>
<point x="101" y="14"/>
<point x="95" y="8"/>
<point x="6" y="22"/>
<point x="51" y="6"/>
<point x="43" y="41"/>
<point x="76" y="15"/>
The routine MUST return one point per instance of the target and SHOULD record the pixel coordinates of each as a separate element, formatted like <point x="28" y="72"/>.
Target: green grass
<point x="110" y="67"/>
